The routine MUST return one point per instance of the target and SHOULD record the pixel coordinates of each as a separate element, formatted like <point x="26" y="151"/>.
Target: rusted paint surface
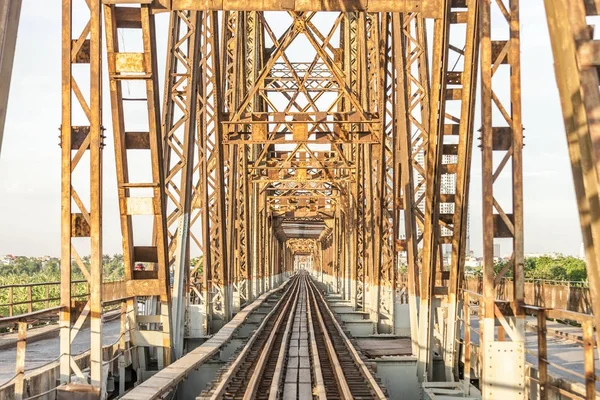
<point x="542" y="294"/>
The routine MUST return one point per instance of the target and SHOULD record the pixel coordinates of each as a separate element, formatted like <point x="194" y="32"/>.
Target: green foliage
<point x="561" y="268"/>
<point x="46" y="294"/>
<point x="32" y="270"/>
<point x="197" y="263"/>
<point x="499" y="266"/>
<point x="403" y="269"/>
<point x="113" y="267"/>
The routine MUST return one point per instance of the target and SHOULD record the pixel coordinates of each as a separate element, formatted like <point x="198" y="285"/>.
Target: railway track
<point x="298" y="352"/>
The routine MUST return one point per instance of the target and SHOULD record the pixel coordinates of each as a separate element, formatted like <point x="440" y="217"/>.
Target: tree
<point x="198" y="264"/>
<point x="576" y="269"/>
<point x="561" y="268"/>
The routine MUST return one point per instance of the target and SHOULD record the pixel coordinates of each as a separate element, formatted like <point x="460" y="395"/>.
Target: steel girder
<point x="179" y="135"/>
<point x="412" y="142"/>
<point x="576" y="69"/>
<point x="448" y="170"/>
<point x="133" y="78"/>
<point x="237" y="159"/>
<point x="430" y="8"/>
<point x="457" y="149"/>
<point x="502" y="139"/>
<point x="212" y="187"/>
<point x="81" y="218"/>
<point x="431" y="229"/>
<point x="10" y="12"/>
<point x="348" y="44"/>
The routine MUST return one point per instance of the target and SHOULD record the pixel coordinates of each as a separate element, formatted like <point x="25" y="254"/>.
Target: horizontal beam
<point x="303" y="197"/>
<point x="428" y="8"/>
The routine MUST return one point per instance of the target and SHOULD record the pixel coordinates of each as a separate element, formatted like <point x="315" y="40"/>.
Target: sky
<point x="30" y="157"/>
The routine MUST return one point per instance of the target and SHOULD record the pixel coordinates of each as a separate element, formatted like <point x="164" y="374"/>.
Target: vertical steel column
<point x="84" y="219"/>
<point x="371" y="69"/>
<point x="413" y="142"/>
<point x="504" y="139"/>
<point x="212" y="184"/>
<point x="431" y="227"/>
<point x="339" y="258"/>
<point x="252" y="56"/>
<point x="125" y="69"/>
<point x="348" y="42"/>
<point x="364" y="176"/>
<point x="403" y="174"/>
<point x="179" y="134"/>
<point x="10" y="12"/>
<point x="576" y="65"/>
<point x="388" y="218"/>
<point x="345" y="249"/>
<point x="360" y="220"/>
<point x="232" y="85"/>
<point x="244" y="250"/>
<point x="457" y="149"/>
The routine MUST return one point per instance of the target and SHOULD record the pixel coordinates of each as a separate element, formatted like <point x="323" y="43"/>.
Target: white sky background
<point x="30" y="159"/>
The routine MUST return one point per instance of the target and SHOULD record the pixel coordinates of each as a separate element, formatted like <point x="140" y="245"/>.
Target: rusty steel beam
<point x="81" y="215"/>
<point x="576" y="66"/>
<point x="384" y="270"/>
<point x="413" y="141"/>
<point x="10" y="12"/>
<point x="217" y="269"/>
<point x="253" y="58"/>
<point x="431" y="228"/>
<point x="179" y="136"/>
<point x="429" y="8"/>
<point x="234" y="25"/>
<point x="146" y="198"/>
<point x="461" y="98"/>
<point x="502" y="139"/>
<point x="349" y="59"/>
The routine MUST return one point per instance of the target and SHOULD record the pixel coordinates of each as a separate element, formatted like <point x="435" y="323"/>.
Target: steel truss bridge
<point x="328" y="135"/>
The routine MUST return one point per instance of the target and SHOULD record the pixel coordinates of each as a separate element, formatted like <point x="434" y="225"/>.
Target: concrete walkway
<point x="562" y="351"/>
<point x="9" y="340"/>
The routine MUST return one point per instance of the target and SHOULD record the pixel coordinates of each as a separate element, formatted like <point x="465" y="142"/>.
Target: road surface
<point x="44" y="351"/>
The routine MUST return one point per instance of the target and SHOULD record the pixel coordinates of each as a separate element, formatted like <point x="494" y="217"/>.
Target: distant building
<point x="448" y="186"/>
<point x="7" y="259"/>
<point x="472" y="262"/>
<point x="497" y="250"/>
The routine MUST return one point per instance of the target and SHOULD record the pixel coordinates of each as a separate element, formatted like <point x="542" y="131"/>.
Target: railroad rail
<point x="299" y="351"/>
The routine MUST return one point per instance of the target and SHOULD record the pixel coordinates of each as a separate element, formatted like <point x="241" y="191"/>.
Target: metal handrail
<point x="46" y="298"/>
<point x="18" y="285"/>
<point x="8" y="321"/>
